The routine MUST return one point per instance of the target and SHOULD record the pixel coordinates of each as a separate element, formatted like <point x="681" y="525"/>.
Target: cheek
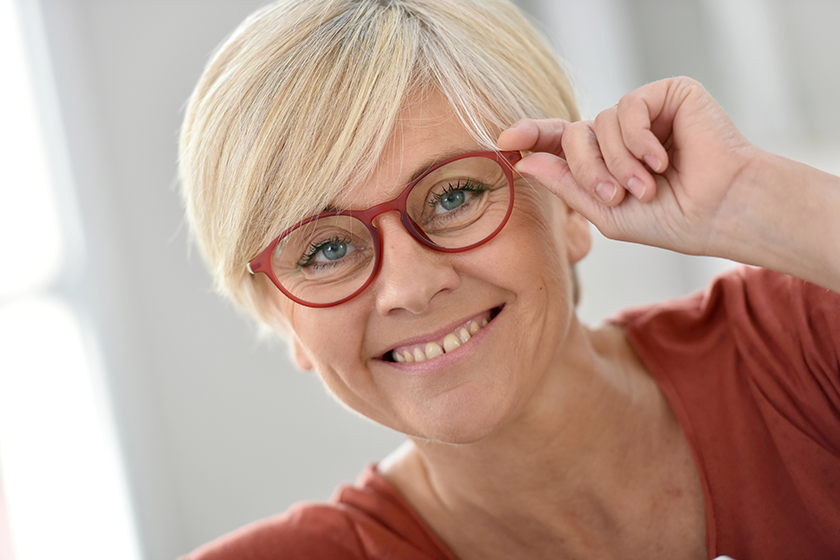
<point x="539" y="263"/>
<point x="537" y="229"/>
<point x="331" y="337"/>
<point x="332" y="345"/>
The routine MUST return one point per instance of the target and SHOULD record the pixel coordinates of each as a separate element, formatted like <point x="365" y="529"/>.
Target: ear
<point x="578" y="236"/>
<point x="300" y="355"/>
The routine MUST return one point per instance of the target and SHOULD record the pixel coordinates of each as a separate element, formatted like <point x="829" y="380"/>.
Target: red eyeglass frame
<point x="262" y="262"/>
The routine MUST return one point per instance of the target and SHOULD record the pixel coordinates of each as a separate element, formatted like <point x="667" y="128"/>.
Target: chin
<point x="469" y="421"/>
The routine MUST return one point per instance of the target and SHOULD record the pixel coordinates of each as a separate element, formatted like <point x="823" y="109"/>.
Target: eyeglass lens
<point x="456" y="205"/>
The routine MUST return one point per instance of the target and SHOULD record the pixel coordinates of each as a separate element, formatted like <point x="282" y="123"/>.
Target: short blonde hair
<point x="301" y="100"/>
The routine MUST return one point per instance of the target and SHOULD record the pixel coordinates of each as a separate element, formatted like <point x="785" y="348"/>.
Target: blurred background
<point x="139" y="415"/>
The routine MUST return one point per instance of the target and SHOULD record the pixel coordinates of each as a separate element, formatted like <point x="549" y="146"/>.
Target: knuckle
<point x="574" y="134"/>
<point x="684" y="86"/>
<point x="587" y="172"/>
<point x="623" y="170"/>
<point x="604" y="118"/>
<point x="686" y="81"/>
<point x="634" y="137"/>
<point x="617" y="165"/>
<point x="630" y="100"/>
<point x="579" y="126"/>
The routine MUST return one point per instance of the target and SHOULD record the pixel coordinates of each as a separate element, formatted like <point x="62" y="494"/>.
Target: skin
<point x="419" y="292"/>
<point x="711" y="191"/>
<point x="543" y="438"/>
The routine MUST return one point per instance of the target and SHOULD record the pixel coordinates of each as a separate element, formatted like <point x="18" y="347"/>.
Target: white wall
<point x="218" y="429"/>
<point x="774" y="65"/>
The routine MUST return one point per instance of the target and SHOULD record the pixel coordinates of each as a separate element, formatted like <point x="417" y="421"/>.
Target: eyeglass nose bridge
<point x="400" y="205"/>
<point x="367" y="217"/>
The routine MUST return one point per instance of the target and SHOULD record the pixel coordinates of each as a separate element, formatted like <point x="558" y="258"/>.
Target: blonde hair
<point x="301" y="100"/>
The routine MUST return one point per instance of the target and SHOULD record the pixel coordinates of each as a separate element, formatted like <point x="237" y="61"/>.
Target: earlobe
<point x="300" y="355"/>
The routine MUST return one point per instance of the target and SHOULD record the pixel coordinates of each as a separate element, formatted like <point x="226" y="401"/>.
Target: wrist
<point x="789" y="219"/>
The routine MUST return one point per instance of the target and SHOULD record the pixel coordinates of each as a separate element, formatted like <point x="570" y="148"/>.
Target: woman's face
<point x="518" y="283"/>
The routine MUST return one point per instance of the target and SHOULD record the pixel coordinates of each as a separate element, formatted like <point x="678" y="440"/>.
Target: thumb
<point x="554" y="174"/>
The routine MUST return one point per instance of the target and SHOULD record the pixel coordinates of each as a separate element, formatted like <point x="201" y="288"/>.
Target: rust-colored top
<point x="369" y="520"/>
<point x="751" y="367"/>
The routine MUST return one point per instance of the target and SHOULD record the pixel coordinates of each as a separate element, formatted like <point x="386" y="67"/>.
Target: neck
<point x="574" y="466"/>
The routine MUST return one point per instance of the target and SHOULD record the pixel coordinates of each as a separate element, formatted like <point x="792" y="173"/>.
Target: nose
<point x="411" y="275"/>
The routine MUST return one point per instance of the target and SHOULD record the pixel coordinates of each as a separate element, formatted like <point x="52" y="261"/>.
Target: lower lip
<point x="448" y="359"/>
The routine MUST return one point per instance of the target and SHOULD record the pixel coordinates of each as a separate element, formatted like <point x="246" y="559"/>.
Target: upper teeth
<point x="450" y="342"/>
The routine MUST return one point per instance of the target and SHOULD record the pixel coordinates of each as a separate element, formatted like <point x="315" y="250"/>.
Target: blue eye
<point x="334" y="251"/>
<point x="452" y="200"/>
<point x="455" y="196"/>
<point x="326" y="252"/>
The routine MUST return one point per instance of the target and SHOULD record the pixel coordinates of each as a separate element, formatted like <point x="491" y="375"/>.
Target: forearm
<point x="790" y="222"/>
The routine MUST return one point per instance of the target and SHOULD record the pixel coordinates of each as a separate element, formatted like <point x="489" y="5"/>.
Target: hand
<point x="669" y="144"/>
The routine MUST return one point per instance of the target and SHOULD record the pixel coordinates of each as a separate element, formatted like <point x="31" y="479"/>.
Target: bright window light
<point x="62" y="478"/>
<point x="63" y="492"/>
<point x="29" y="225"/>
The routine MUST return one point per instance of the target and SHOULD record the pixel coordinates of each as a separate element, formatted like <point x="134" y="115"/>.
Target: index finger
<point x="544" y="135"/>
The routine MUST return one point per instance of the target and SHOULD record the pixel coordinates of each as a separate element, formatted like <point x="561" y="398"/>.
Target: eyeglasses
<point x="455" y="205"/>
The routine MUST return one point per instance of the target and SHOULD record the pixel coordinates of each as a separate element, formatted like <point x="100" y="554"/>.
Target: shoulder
<point x="749" y="307"/>
<point x="368" y="520"/>
<point x="304" y="531"/>
<point x="751" y="369"/>
<point x="754" y="334"/>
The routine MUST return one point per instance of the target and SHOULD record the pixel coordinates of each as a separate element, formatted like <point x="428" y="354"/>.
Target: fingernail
<point x="606" y="191"/>
<point x="515" y="125"/>
<point x="635" y="186"/>
<point x="653" y="163"/>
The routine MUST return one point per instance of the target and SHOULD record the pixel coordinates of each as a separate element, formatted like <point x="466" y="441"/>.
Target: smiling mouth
<point x="424" y="351"/>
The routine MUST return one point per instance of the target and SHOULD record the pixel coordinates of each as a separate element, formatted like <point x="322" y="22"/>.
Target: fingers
<point x="576" y="142"/>
<point x="613" y="154"/>
<point x="594" y="154"/>
<point x="619" y="157"/>
<point x="585" y="157"/>
<point x="554" y="174"/>
<point x="604" y="157"/>
<point x="634" y="115"/>
<point x="534" y="135"/>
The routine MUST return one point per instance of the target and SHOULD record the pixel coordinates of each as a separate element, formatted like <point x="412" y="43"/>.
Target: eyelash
<point x="315" y="248"/>
<point x="469" y="185"/>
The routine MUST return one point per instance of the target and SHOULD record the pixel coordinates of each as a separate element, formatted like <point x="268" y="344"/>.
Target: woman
<point x="341" y="174"/>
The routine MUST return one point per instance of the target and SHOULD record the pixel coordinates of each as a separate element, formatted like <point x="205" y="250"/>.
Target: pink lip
<point x="449" y="358"/>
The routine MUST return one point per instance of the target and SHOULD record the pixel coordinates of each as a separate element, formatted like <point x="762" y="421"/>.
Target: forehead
<point x="427" y="131"/>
